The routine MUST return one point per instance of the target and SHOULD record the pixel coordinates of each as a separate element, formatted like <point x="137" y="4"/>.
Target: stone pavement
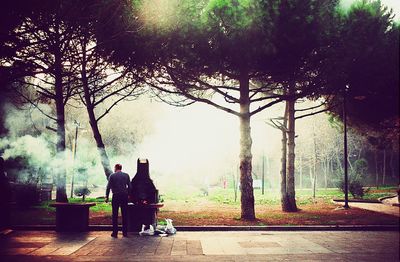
<point x="202" y="246"/>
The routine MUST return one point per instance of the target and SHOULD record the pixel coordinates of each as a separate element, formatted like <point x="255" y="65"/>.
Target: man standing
<point x="120" y="185"/>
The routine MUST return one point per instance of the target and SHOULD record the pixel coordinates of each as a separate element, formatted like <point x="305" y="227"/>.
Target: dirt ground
<point x="207" y="213"/>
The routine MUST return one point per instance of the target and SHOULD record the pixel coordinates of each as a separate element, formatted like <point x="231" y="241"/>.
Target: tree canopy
<point x="365" y="57"/>
<point x="239" y="56"/>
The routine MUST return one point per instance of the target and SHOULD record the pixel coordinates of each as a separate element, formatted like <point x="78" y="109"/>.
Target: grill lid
<point x="143" y="189"/>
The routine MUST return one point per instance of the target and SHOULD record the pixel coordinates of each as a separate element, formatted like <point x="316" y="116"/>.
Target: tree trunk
<point x="301" y="171"/>
<point x="325" y="166"/>
<point x="290" y="179"/>
<point x="339" y="161"/>
<point x="61" y="193"/>
<point x="391" y="163"/>
<point x="314" y="180"/>
<point x="105" y="162"/>
<point x="376" y="170"/>
<point x="284" y="198"/>
<point x="310" y="174"/>
<point x="384" y="168"/>
<point x="349" y="163"/>
<point x="246" y="180"/>
<point x="269" y="173"/>
<point x="314" y="162"/>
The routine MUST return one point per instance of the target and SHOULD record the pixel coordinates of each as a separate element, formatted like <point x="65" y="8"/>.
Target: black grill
<point x="144" y="199"/>
<point x="143" y="189"/>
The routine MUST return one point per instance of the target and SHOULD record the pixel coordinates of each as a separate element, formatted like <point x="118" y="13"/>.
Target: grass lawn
<point x="220" y="208"/>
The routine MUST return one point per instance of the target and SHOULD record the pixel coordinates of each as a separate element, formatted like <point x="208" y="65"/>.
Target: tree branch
<point x="35" y="105"/>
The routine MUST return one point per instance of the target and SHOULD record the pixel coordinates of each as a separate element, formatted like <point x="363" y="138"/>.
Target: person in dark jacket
<point x="119" y="184"/>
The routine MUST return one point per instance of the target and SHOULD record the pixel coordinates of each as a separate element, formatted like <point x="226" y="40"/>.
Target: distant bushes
<point x="355" y="184"/>
<point x="82" y="192"/>
<point x="356" y="188"/>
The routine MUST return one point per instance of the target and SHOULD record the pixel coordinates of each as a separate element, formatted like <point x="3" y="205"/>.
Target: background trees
<point x="217" y="52"/>
<point x="365" y="56"/>
<point x="101" y="85"/>
<point x="299" y="30"/>
<point x="42" y="51"/>
<point x="242" y="57"/>
<point x="238" y="56"/>
<point x="363" y="66"/>
<point x="52" y="48"/>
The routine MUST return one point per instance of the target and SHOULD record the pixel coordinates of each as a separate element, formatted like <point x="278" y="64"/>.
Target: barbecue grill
<point x="144" y="199"/>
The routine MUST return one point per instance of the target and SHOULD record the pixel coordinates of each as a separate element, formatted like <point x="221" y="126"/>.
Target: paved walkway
<point x="387" y="206"/>
<point x="377" y="207"/>
<point x="391" y="201"/>
<point x="202" y="246"/>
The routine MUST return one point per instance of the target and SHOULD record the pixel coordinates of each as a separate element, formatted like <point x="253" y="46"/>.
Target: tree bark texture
<point x="284" y="197"/>
<point x="246" y="180"/>
<point x="290" y="180"/>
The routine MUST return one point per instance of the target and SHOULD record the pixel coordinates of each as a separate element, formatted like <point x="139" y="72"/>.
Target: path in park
<point x="202" y="246"/>
<point x="386" y="207"/>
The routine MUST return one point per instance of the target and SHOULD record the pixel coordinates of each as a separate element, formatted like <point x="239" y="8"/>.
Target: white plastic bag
<point x="169" y="229"/>
<point x="147" y="232"/>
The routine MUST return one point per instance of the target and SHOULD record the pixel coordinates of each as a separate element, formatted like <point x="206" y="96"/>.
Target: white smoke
<point x="191" y="147"/>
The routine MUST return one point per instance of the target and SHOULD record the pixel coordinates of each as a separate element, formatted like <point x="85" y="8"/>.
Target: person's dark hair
<point x="118" y="167"/>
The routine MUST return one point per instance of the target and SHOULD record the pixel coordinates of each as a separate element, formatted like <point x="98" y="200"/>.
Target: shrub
<point x="361" y="166"/>
<point x="82" y="192"/>
<point x="355" y="188"/>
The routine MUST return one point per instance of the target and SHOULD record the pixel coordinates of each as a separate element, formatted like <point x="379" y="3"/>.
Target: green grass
<point x="44" y="214"/>
<point x="272" y="197"/>
<point x="227" y="197"/>
<point x="100" y="206"/>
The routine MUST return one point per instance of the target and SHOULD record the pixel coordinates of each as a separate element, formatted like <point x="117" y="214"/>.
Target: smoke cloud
<point x="189" y="148"/>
